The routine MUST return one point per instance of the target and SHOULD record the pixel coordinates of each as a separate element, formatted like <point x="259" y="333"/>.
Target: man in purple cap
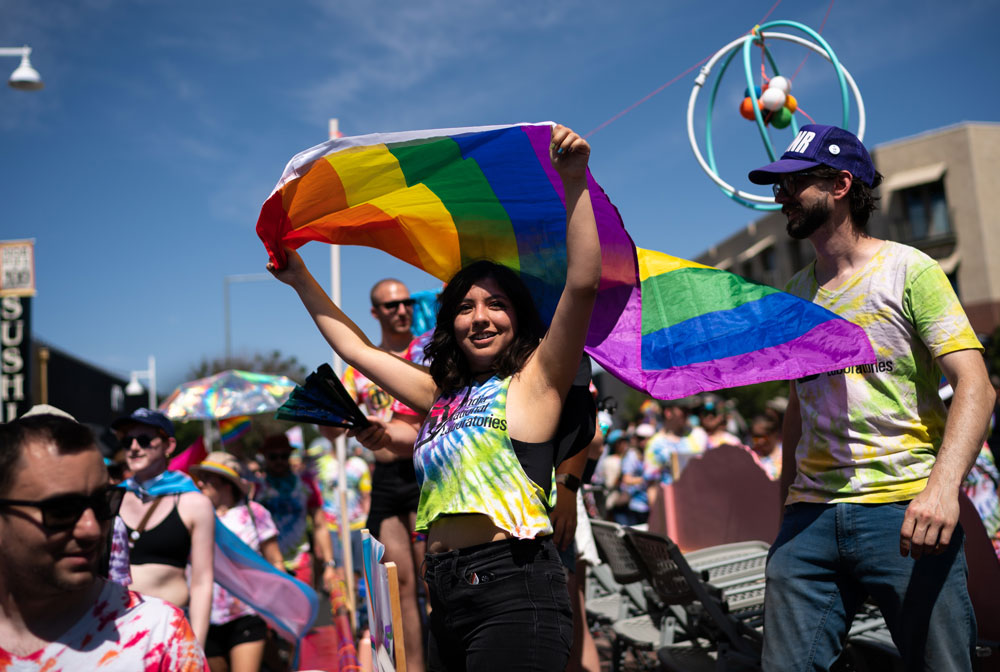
<point x="872" y="461"/>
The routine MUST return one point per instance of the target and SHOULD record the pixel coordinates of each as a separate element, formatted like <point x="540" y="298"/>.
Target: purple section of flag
<point x="807" y="355"/>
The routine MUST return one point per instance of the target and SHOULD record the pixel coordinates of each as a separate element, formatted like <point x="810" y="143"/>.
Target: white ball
<point x="781" y="83"/>
<point x="773" y="99"/>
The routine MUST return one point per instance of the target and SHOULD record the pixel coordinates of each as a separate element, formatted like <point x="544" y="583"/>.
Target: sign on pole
<point x="17" y="286"/>
<point x="17" y="268"/>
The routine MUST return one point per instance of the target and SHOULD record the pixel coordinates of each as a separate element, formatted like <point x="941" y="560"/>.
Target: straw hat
<point x="224" y="465"/>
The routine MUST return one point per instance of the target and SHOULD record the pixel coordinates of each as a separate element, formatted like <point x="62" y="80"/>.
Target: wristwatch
<point x="568" y="481"/>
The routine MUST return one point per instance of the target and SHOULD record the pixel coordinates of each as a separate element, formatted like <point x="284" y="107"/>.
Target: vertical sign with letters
<point x="17" y="286"/>
<point x="15" y="356"/>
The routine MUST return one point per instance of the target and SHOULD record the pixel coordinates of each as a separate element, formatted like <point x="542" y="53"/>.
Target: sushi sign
<point x="17" y="285"/>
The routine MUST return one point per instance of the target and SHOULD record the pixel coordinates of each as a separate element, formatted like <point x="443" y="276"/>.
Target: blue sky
<point x="140" y="169"/>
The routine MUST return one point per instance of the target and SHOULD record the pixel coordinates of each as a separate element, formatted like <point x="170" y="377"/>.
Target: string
<point x="662" y="87"/>
<point x="820" y="31"/>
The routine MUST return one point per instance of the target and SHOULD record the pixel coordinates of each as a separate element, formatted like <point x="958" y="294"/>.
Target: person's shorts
<point x="394" y="492"/>
<point x="222" y="638"/>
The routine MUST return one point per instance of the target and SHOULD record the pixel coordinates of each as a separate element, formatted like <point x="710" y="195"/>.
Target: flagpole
<point x="341" y="443"/>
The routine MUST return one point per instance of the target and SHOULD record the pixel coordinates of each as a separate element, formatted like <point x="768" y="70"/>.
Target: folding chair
<point x="642" y="624"/>
<point x="721" y="641"/>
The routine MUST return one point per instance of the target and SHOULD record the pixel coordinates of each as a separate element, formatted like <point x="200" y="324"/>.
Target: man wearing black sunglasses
<point x="872" y="462"/>
<point x="56" y="611"/>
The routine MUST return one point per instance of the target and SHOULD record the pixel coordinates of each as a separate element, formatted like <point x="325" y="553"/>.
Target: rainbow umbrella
<point x="227" y="394"/>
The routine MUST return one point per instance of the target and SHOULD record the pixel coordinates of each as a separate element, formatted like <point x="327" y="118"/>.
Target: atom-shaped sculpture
<point x="771" y="104"/>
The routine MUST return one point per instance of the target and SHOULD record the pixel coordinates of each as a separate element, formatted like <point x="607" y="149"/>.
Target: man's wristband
<point x="568" y="481"/>
<point x="330" y="563"/>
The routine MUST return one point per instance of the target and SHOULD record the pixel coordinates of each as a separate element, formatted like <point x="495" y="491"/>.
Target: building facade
<point x="941" y="194"/>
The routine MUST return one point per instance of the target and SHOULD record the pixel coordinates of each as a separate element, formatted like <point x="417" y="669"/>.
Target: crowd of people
<point x="470" y="472"/>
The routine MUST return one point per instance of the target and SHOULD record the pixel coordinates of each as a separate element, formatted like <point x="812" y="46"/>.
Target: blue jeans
<point x="499" y="606"/>
<point x="828" y="558"/>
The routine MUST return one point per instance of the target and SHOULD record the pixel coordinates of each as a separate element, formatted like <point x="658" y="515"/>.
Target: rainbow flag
<point x="233" y="428"/>
<point x="441" y="199"/>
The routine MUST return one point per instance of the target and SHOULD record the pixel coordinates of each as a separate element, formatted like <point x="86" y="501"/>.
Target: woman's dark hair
<point x="448" y="365"/>
<point x="863" y="199"/>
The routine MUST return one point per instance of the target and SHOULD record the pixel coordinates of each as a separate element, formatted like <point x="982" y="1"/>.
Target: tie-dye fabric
<point x="225" y="606"/>
<point x="466" y="463"/>
<point x="657" y="459"/>
<point x="870" y="433"/>
<point x="123" y="631"/>
<point x="366" y="393"/>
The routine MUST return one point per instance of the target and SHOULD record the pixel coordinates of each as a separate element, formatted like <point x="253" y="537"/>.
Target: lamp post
<point x="135" y="388"/>
<point x="226" y="281"/>
<point x="24" y="77"/>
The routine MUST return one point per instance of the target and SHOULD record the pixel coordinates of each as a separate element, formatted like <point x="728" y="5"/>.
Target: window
<point x="924" y="213"/>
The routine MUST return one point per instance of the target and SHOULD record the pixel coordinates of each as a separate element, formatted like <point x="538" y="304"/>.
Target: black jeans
<point x="499" y="606"/>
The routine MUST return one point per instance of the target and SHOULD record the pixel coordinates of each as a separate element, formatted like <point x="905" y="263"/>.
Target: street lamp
<point x="24" y="77"/>
<point x="135" y="388"/>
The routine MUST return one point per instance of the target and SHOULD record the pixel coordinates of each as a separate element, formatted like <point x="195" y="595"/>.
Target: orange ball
<point x="791" y="104"/>
<point x="746" y="108"/>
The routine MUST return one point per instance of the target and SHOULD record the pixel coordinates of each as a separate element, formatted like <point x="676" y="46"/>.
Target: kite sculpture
<point x="768" y="103"/>
<point x="440" y="199"/>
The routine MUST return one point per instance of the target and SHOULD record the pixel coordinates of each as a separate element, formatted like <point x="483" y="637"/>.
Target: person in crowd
<point x="872" y="461"/>
<point x="56" y="610"/>
<point x="714" y="419"/>
<point x="492" y="398"/>
<point x="631" y="506"/>
<point x="168" y="530"/>
<point x="765" y="444"/>
<point x="392" y="514"/>
<point x="237" y="635"/>
<point x="670" y="448"/>
<point x="295" y="504"/>
<point x="982" y="485"/>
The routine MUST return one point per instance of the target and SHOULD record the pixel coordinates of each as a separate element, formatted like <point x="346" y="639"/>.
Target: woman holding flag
<point x="492" y="399"/>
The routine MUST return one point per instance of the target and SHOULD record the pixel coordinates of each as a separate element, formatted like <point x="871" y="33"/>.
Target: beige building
<point x="941" y="194"/>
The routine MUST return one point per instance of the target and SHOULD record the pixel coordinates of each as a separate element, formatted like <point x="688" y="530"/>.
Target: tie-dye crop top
<point x="466" y="463"/>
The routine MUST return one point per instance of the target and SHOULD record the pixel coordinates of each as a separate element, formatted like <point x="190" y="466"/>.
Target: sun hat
<point x="224" y="465"/>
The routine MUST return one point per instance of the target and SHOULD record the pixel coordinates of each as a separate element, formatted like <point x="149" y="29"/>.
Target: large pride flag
<point x="443" y="198"/>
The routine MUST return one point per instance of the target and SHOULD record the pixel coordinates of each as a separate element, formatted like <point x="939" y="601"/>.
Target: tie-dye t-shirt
<point x="657" y="459"/>
<point x="123" y="631"/>
<point x="366" y="393"/>
<point x="466" y="463"/>
<point x="225" y="607"/>
<point x="290" y="499"/>
<point x="870" y="433"/>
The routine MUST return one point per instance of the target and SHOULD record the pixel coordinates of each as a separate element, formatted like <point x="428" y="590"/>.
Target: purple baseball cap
<point x="819" y="145"/>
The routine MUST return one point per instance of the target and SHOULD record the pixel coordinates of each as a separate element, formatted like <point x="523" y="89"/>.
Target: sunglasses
<point x="144" y="440"/>
<point x="791" y="184"/>
<point x="63" y="511"/>
<point x="393" y="306"/>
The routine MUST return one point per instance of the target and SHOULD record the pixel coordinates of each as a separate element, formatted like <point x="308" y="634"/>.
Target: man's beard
<point x="809" y="221"/>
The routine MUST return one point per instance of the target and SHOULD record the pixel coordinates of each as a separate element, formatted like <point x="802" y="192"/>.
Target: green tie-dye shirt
<point x="870" y="433"/>
<point x="466" y="463"/>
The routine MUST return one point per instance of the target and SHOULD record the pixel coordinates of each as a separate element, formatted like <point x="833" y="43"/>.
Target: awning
<point x="913" y="177"/>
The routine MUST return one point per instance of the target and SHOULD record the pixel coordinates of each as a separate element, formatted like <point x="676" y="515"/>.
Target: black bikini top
<point x="169" y="543"/>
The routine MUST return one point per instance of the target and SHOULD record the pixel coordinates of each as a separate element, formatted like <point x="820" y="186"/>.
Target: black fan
<point x="323" y="400"/>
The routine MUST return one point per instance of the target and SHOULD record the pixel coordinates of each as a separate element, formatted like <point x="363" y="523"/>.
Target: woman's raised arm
<point x="553" y="365"/>
<point x="406" y="381"/>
